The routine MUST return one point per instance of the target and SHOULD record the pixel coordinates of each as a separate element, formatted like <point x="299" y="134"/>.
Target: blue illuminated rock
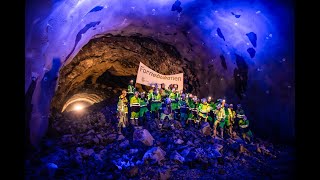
<point x="154" y="155"/>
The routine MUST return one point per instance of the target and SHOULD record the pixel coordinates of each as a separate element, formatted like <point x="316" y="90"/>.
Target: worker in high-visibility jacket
<point x="174" y="102"/>
<point x="166" y="114"/>
<point x="203" y="111"/>
<point x="122" y="111"/>
<point x="244" y="129"/>
<point x="149" y="96"/>
<point x="183" y="106"/>
<point x="212" y="109"/>
<point x="135" y="109"/>
<point x="155" y="104"/>
<point x="131" y="89"/>
<point x="220" y="116"/>
<point x="225" y="121"/>
<point x="130" y="93"/>
<point x="239" y="115"/>
<point x="163" y="92"/>
<point x="144" y="111"/>
<point x="232" y="116"/>
<point x="193" y="111"/>
<point x="169" y="90"/>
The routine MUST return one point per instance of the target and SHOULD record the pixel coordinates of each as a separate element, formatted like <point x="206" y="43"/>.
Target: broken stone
<point x="52" y="168"/>
<point x="84" y="152"/>
<point x="132" y="172"/>
<point x="155" y="154"/>
<point x="230" y="141"/>
<point x="124" y="144"/>
<point x="178" y="141"/>
<point x="218" y="147"/>
<point x="185" y="152"/>
<point x="197" y="141"/>
<point x="205" y="129"/>
<point x="213" y="154"/>
<point x="111" y="137"/>
<point x="164" y="173"/>
<point x="120" y="137"/>
<point x="177" y="157"/>
<point x="144" y="136"/>
<point x="133" y="151"/>
<point x="190" y="144"/>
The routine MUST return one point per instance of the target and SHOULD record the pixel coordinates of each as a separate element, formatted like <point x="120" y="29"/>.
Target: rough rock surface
<point x="88" y="147"/>
<point x="144" y="136"/>
<point x="106" y="65"/>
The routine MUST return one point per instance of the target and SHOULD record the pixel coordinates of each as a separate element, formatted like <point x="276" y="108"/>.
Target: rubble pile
<point x="89" y="148"/>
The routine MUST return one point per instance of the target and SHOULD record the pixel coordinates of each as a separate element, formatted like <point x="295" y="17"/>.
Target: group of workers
<point x="167" y="105"/>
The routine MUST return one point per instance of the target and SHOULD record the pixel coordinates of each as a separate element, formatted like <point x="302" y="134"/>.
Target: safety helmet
<point x="209" y="97"/>
<point x="136" y="92"/>
<point x="194" y="98"/>
<point x="173" y="89"/>
<point x="219" y="106"/>
<point x="204" y="100"/>
<point x="230" y="105"/>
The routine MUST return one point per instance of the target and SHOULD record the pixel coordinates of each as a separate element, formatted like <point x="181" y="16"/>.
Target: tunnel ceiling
<point x="106" y="64"/>
<point x="243" y="50"/>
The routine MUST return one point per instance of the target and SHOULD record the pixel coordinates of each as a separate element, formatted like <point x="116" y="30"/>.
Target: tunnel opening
<point x="104" y="67"/>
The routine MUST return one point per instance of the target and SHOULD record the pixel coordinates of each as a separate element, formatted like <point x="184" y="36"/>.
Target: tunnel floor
<point x="87" y="146"/>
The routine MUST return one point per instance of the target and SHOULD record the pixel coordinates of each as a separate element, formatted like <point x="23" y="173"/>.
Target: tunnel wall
<point x="217" y="36"/>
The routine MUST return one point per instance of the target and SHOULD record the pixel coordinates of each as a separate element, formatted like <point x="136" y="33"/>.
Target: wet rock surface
<point x="88" y="147"/>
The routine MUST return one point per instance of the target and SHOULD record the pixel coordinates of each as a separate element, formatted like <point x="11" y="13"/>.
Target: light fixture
<point x="78" y="107"/>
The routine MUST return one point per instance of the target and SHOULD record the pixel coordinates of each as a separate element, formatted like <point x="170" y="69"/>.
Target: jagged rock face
<point x="235" y="47"/>
<point x="88" y="146"/>
<point x="106" y="64"/>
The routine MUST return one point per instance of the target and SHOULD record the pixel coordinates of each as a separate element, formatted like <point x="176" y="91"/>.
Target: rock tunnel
<point x="79" y="53"/>
<point x="240" y="50"/>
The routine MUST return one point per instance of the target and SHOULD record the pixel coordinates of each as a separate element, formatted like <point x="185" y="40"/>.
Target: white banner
<point x="147" y="76"/>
